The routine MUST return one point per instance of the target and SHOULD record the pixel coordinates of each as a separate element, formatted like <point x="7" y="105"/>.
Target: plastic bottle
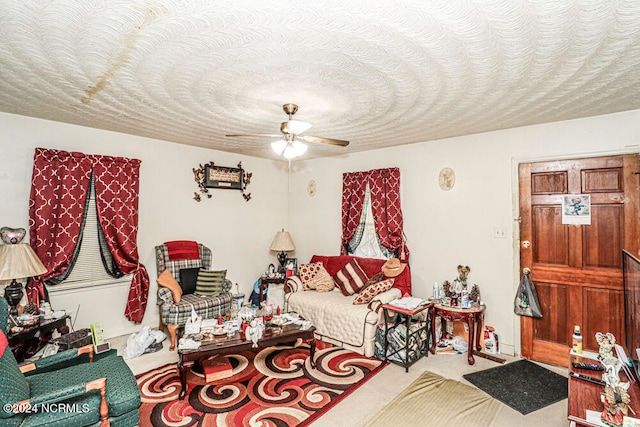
<point x="436" y="291"/>
<point x="464" y="300"/>
<point x="491" y="344"/>
<point x="577" y="340"/>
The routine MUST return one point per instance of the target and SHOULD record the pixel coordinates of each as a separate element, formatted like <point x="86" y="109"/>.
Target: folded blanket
<point x="182" y="249"/>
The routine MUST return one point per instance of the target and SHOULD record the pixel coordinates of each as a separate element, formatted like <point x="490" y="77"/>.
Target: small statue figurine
<point x="447" y="288"/>
<point x="254" y="332"/>
<point x="607" y="342"/>
<point x="460" y="283"/>
<point x="192" y="326"/>
<point x="615" y="398"/>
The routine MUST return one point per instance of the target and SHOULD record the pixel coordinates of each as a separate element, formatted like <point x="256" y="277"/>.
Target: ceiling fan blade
<point x="254" y="134"/>
<point x="330" y="141"/>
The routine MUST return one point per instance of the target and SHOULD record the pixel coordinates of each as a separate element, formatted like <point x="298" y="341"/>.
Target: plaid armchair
<point x="102" y="392"/>
<point x="173" y="314"/>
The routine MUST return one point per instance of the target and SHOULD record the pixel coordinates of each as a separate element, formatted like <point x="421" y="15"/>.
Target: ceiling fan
<point x="290" y="146"/>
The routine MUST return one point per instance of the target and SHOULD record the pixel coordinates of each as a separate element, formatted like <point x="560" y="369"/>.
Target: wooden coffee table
<point x="273" y="335"/>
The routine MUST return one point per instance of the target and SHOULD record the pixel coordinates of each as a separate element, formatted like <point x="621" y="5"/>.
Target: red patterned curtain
<point x="117" y="182"/>
<point x="354" y="186"/>
<point x="384" y="185"/>
<point x="59" y="191"/>
<point x="59" y="187"/>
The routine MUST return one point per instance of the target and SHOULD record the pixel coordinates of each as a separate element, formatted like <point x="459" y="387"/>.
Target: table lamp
<point x="282" y="243"/>
<point x="18" y="261"/>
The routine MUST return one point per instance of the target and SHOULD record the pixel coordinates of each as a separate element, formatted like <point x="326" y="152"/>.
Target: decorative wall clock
<point x="446" y="179"/>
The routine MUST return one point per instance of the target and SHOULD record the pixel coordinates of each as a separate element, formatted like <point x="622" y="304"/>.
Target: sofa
<point x="174" y="314"/>
<point x="335" y="316"/>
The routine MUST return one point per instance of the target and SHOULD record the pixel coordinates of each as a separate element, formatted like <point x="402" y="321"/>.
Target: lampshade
<point x="289" y="149"/>
<point x="282" y="242"/>
<point x="279" y="146"/>
<point x="297" y="126"/>
<point x="18" y="261"/>
<point x="295" y="149"/>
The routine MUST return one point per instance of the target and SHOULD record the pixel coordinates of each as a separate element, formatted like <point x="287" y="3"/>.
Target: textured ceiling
<point x="375" y="72"/>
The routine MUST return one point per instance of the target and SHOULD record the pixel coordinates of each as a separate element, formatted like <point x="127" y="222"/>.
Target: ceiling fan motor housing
<point x="290" y="109"/>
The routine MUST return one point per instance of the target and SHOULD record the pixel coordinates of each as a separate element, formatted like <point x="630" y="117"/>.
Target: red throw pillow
<point x="350" y="278"/>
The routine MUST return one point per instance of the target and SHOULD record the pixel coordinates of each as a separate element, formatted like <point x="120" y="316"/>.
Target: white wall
<point x="448" y="228"/>
<point x="238" y="232"/>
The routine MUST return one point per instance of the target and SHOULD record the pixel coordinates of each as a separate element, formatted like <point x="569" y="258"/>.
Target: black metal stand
<point x="416" y="342"/>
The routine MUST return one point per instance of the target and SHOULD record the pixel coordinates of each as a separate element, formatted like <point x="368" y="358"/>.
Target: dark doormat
<point x="522" y="385"/>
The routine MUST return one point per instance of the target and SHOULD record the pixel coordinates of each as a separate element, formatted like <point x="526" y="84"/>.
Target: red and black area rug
<point x="275" y="386"/>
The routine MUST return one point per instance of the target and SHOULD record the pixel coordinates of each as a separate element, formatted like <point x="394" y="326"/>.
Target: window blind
<point x="88" y="270"/>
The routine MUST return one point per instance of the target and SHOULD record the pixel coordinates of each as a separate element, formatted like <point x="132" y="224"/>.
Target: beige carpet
<point x="430" y="399"/>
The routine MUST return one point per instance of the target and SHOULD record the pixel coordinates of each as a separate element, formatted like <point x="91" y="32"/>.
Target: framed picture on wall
<point x="291" y="266"/>
<point x="223" y="177"/>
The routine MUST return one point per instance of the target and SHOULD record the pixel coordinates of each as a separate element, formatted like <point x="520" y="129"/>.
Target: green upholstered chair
<point x="99" y="393"/>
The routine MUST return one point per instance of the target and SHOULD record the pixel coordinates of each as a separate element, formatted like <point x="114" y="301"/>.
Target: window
<point x="381" y="189"/>
<point x="365" y="242"/>
<point x="89" y="269"/>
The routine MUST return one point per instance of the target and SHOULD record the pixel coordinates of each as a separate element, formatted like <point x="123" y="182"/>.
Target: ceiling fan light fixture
<point x="289" y="146"/>
<point x="289" y="149"/>
<point x="279" y="146"/>
<point x="298" y="148"/>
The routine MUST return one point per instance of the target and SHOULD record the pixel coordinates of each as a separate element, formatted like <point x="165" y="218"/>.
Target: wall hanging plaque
<point x="212" y="176"/>
<point x="446" y="179"/>
<point x="223" y="177"/>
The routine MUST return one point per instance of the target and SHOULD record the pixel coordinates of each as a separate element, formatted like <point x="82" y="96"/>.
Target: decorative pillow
<point x="322" y="281"/>
<point x="307" y="271"/>
<point x="210" y="283"/>
<point x="368" y="293"/>
<point x="166" y="280"/>
<point x="351" y="278"/>
<point x="378" y="277"/>
<point x="188" y="278"/>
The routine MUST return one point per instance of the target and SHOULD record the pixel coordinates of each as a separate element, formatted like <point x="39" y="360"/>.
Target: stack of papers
<point x="408" y="303"/>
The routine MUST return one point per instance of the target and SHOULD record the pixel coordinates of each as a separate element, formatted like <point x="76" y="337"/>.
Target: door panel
<point x="605" y="316"/>
<point x="603" y="237"/>
<point x="576" y="268"/>
<point x="551" y="237"/>
<point x="551" y="326"/>
<point x="602" y="180"/>
<point x="549" y="183"/>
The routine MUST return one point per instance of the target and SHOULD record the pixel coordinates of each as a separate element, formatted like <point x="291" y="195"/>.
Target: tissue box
<point x="75" y="339"/>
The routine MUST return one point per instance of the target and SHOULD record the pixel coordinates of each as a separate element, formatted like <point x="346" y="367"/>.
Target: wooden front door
<point x="577" y="269"/>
